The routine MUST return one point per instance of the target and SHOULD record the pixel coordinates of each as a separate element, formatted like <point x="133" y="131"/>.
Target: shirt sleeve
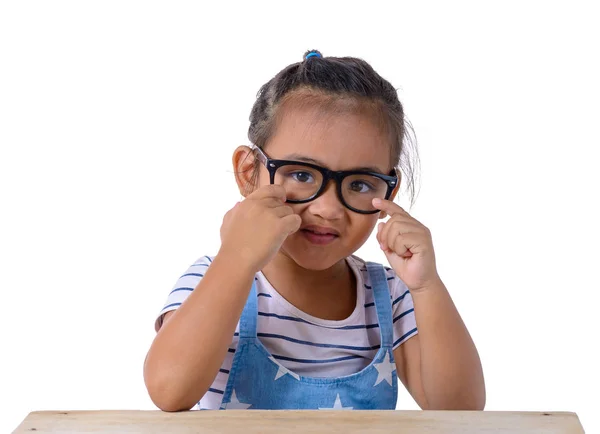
<point x="403" y="312"/>
<point x="183" y="287"/>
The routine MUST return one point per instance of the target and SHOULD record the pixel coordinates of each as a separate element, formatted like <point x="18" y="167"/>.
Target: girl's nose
<point x="328" y="205"/>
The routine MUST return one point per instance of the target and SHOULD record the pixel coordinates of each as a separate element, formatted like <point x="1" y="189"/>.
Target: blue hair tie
<point x="313" y="54"/>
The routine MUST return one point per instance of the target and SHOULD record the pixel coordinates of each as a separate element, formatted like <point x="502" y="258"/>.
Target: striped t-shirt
<point x="306" y="345"/>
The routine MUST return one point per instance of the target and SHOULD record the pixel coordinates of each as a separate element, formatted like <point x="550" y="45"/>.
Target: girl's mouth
<point x="319" y="236"/>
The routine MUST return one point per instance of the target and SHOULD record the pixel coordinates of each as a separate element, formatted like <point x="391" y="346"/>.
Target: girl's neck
<point x="328" y="294"/>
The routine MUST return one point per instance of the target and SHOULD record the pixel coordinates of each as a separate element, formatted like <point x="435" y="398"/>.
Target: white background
<point x="117" y="124"/>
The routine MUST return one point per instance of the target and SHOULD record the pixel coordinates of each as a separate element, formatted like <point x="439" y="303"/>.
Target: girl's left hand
<point x="408" y="247"/>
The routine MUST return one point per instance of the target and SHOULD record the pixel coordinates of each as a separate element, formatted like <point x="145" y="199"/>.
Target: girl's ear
<point x="383" y="214"/>
<point x="243" y="168"/>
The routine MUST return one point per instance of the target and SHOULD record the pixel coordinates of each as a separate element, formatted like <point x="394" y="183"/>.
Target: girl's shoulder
<point x="359" y="265"/>
<point x="203" y="260"/>
<point x="359" y="262"/>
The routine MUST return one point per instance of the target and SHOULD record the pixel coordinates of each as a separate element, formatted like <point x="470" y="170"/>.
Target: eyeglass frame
<point x="338" y="176"/>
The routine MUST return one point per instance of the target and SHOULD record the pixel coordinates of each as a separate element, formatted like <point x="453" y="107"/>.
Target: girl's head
<point x="339" y="114"/>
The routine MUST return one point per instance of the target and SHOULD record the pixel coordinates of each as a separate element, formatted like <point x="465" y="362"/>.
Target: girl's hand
<point x="253" y="230"/>
<point x="408" y="247"/>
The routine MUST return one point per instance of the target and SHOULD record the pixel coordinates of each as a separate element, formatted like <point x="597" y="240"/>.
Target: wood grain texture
<point x="281" y="422"/>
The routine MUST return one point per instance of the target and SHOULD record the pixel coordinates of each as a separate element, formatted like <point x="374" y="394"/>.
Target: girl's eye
<point x="302" y="176"/>
<point x="361" y="187"/>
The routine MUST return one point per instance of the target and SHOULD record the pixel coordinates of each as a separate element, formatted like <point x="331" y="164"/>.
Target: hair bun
<point x="312" y="53"/>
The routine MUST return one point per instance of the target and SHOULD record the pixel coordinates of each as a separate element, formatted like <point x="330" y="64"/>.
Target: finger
<point x="406" y="245"/>
<point x="390" y="227"/>
<point x="382" y="229"/>
<point x="232" y="208"/>
<point x="381" y="236"/>
<point x="399" y="247"/>
<point x="379" y="228"/>
<point x="283" y="211"/>
<point x="272" y="202"/>
<point x="406" y="222"/>
<point x="291" y="223"/>
<point x="394" y="227"/>
<point x="388" y="207"/>
<point x="271" y="190"/>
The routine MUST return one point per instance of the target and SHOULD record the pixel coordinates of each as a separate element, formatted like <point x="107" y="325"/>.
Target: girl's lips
<point x="318" y="239"/>
<point x="321" y="230"/>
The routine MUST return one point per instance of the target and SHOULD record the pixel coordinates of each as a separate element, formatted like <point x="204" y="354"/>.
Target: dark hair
<point x="337" y="78"/>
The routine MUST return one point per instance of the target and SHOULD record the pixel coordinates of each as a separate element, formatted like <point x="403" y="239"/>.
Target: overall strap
<point x="383" y="303"/>
<point x="249" y="315"/>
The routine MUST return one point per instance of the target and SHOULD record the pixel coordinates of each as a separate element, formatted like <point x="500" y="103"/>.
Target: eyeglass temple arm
<point x="262" y="157"/>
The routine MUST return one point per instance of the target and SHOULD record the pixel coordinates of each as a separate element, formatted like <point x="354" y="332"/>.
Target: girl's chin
<point x="314" y="259"/>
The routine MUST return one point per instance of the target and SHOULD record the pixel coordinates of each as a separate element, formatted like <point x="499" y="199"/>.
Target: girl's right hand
<point x="254" y="230"/>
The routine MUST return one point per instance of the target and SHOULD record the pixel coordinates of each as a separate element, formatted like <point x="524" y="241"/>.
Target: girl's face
<point x="346" y="141"/>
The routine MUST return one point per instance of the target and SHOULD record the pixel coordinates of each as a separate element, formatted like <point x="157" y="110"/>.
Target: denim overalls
<point x="258" y="381"/>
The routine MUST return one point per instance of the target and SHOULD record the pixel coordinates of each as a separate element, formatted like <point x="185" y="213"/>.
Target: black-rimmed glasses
<point x="304" y="182"/>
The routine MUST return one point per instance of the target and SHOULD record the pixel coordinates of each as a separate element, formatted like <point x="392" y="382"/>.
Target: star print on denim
<point x="337" y="405"/>
<point x="385" y="370"/>
<point x="282" y="370"/>
<point x="235" y="403"/>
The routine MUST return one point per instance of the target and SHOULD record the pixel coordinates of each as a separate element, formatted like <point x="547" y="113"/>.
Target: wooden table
<point x="281" y="422"/>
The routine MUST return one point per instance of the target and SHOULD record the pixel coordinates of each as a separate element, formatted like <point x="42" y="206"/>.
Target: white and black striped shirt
<point x="306" y="345"/>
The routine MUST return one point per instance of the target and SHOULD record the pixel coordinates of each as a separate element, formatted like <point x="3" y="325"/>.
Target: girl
<point x="285" y="316"/>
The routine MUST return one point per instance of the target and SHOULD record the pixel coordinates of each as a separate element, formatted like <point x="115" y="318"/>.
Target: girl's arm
<point x="190" y="347"/>
<point x="440" y="366"/>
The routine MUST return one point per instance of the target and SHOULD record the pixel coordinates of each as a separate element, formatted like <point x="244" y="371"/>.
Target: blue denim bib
<point x="258" y="381"/>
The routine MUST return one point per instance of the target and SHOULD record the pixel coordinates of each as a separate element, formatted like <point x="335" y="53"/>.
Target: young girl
<point x="285" y="316"/>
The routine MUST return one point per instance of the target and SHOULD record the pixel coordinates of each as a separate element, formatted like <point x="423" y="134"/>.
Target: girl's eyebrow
<point x="298" y="157"/>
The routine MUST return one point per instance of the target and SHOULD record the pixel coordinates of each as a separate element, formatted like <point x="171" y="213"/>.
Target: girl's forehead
<point x="339" y="139"/>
